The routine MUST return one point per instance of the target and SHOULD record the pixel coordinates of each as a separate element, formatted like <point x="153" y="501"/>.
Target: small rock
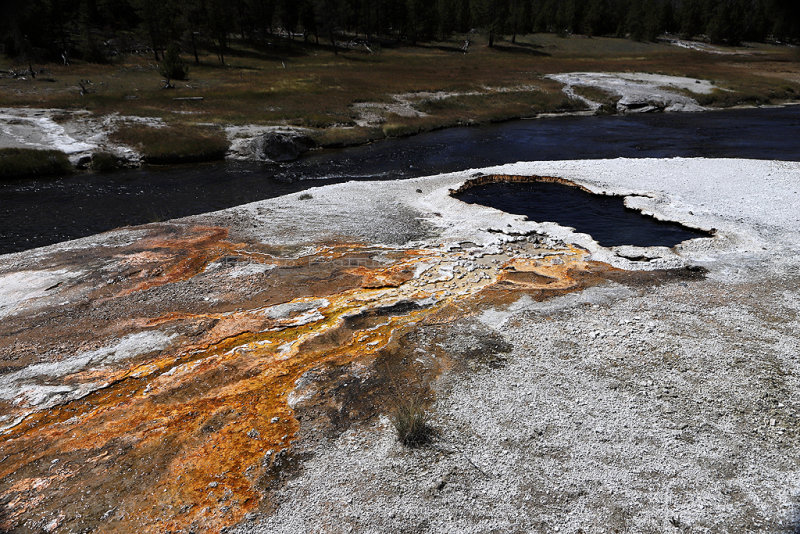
<point x="83" y="162"/>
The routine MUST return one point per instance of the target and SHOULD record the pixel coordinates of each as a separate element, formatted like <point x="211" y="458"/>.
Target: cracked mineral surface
<point x="235" y="369"/>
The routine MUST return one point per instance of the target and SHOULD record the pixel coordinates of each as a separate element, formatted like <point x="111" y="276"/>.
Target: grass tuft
<point x="400" y="129"/>
<point x="23" y="162"/>
<point x="412" y="423"/>
<point x="174" y="144"/>
<point x="104" y="162"/>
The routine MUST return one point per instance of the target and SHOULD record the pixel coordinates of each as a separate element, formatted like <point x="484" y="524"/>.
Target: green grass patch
<point x="104" y="162"/>
<point x="608" y="101"/>
<point x="174" y="144"/>
<point x="724" y="99"/>
<point x="25" y="162"/>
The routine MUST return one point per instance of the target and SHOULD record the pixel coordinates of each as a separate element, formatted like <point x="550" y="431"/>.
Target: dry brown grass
<point x="342" y="137"/>
<point x="499" y="106"/>
<point x="411" y="421"/>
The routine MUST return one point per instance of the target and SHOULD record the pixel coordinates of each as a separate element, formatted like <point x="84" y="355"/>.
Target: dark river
<point x="40" y="212"/>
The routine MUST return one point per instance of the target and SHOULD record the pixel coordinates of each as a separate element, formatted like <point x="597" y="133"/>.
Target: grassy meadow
<point x="298" y="84"/>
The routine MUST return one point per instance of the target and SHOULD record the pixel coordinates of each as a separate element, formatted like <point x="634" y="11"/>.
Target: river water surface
<point x="40" y="212"/>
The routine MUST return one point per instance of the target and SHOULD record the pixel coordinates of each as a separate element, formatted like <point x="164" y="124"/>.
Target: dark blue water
<point x="35" y="213"/>
<point x="605" y="218"/>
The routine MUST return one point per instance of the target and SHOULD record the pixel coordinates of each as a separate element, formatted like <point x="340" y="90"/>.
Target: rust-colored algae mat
<point x="186" y="438"/>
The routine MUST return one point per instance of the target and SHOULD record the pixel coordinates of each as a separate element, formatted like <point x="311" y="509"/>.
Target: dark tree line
<point x="97" y="29"/>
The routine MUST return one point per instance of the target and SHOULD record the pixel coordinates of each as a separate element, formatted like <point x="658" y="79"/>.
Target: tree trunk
<point x="221" y="51"/>
<point x="491" y="38"/>
<point x="333" y="44"/>
<point x="194" y="49"/>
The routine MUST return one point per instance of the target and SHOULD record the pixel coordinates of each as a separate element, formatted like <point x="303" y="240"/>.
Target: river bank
<point x="273" y="109"/>
<point x="118" y="141"/>
<point x="37" y="212"/>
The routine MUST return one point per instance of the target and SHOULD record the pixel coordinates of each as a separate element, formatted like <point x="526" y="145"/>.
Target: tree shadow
<point x="528" y="45"/>
<point x="443" y="48"/>
<point x="268" y="52"/>
<point x="517" y="49"/>
<point x="347" y="54"/>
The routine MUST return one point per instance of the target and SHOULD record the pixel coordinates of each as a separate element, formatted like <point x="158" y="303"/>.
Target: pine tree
<point x="219" y="22"/>
<point x="594" y="18"/>
<point x="691" y="20"/>
<point x="172" y="67"/>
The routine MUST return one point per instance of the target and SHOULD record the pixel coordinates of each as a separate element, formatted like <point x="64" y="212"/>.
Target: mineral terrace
<point x="234" y="371"/>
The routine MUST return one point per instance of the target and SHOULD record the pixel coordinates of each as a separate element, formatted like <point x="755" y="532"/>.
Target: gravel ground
<point x="647" y="404"/>
<point x="643" y="409"/>
<point x="637" y="406"/>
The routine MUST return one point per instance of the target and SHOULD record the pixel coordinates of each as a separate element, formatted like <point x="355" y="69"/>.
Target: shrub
<point x="172" y="66"/>
<point x="174" y="144"/>
<point x="412" y="423"/>
<point x="104" y="162"/>
<point x="22" y="162"/>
